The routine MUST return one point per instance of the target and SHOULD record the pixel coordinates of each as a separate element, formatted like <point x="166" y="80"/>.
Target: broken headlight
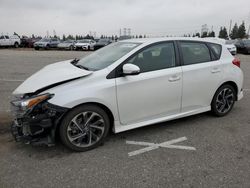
<point x="28" y="103"/>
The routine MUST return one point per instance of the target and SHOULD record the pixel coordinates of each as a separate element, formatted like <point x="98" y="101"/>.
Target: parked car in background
<point x="243" y="46"/>
<point x="85" y="44"/>
<point x="125" y="85"/>
<point x="67" y="45"/>
<point x="7" y="41"/>
<point x="228" y="43"/>
<point x="46" y="43"/>
<point x="27" y="42"/>
<point x="101" y="43"/>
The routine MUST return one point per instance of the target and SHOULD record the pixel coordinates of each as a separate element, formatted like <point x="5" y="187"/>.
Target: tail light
<point x="236" y="62"/>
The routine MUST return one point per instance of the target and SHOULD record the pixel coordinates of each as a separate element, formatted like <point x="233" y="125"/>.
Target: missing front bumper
<point x="38" y="128"/>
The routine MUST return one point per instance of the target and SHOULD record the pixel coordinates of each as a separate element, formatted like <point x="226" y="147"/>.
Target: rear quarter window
<point x="216" y="48"/>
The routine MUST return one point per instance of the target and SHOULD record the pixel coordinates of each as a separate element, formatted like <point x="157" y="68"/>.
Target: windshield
<point x="107" y="55"/>
<point x="45" y="40"/>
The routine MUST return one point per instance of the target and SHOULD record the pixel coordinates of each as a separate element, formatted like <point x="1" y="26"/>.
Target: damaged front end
<point x="35" y="119"/>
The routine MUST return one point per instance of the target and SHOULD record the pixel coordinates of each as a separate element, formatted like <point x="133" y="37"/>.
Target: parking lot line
<point x="153" y="146"/>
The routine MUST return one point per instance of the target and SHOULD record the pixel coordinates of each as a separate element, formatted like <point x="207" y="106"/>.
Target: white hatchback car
<point x="123" y="86"/>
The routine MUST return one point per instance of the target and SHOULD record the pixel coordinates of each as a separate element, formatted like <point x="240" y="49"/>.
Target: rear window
<point x="216" y="50"/>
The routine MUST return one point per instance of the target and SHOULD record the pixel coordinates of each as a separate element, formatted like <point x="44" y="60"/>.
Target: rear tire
<point x="223" y="100"/>
<point x="84" y="128"/>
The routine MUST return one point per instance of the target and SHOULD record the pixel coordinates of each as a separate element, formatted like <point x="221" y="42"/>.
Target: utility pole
<point x="248" y="32"/>
<point x="120" y="32"/>
<point x="124" y="31"/>
<point x="129" y="31"/>
<point x="230" y="26"/>
<point x="54" y="32"/>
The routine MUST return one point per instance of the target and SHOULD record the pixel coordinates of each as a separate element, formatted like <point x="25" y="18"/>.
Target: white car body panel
<point x="149" y="100"/>
<point x="143" y="99"/>
<point x="195" y="83"/>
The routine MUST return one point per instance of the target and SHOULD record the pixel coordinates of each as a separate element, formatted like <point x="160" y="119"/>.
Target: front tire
<point x="223" y="100"/>
<point x="84" y="128"/>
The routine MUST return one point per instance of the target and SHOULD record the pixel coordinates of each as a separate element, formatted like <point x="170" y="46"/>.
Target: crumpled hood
<point x="49" y="75"/>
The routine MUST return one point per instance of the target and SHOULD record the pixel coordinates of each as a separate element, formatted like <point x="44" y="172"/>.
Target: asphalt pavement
<point x="197" y="151"/>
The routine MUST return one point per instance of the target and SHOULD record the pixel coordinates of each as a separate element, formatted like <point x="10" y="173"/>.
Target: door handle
<point x="215" y="70"/>
<point x="174" y="78"/>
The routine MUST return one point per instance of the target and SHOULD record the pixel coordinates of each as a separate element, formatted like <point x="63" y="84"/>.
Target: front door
<point x="156" y="91"/>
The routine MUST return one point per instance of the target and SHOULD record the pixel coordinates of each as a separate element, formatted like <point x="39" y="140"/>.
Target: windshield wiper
<point x="74" y="61"/>
<point x="82" y="67"/>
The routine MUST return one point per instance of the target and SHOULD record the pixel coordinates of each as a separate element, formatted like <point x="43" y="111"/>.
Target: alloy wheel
<point x="224" y="100"/>
<point x="85" y="129"/>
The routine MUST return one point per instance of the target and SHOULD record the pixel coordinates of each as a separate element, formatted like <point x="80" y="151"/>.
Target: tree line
<point x="237" y="32"/>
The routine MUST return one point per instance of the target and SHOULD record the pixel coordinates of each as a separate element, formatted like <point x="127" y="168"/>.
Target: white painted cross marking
<point x="153" y="146"/>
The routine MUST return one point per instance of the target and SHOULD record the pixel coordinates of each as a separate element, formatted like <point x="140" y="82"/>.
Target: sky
<point x="150" y="17"/>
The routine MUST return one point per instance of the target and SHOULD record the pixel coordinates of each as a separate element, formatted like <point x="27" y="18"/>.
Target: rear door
<point x="202" y="73"/>
<point x="156" y="91"/>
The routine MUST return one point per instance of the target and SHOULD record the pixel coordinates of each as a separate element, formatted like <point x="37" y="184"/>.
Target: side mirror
<point x="130" y="69"/>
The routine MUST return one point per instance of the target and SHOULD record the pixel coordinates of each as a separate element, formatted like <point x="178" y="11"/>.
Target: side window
<point x="2" y="37"/>
<point x="7" y="37"/>
<point x="194" y="52"/>
<point x="216" y="49"/>
<point x="157" y="57"/>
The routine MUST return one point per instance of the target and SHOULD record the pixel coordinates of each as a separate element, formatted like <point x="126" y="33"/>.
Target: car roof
<point x="162" y="39"/>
